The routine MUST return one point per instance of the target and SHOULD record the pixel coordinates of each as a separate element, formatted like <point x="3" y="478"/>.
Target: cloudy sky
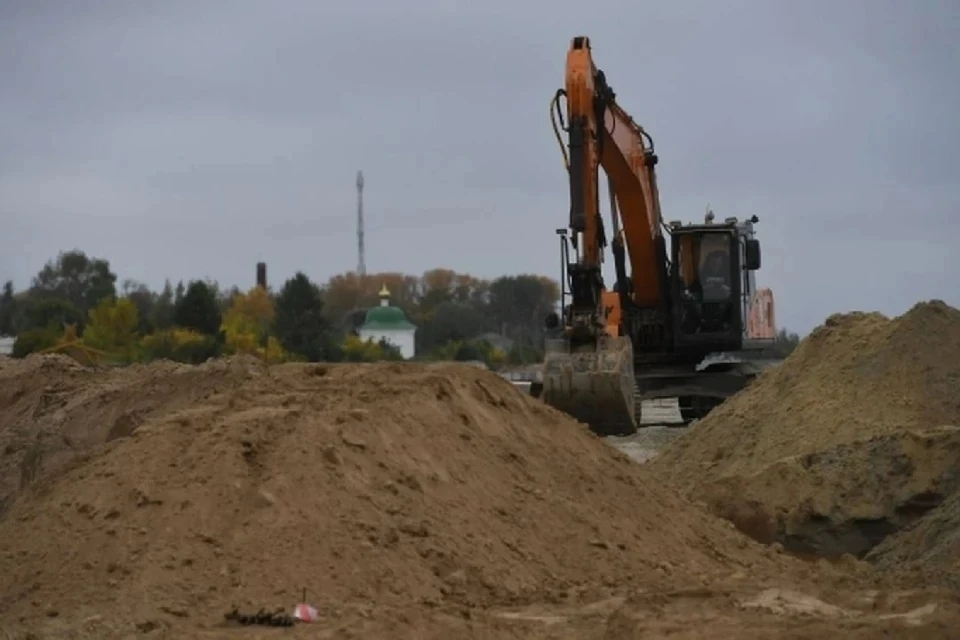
<point x="186" y="139"/>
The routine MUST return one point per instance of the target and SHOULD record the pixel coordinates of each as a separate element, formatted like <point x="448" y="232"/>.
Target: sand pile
<point x="840" y="445"/>
<point x="53" y="410"/>
<point x="371" y="486"/>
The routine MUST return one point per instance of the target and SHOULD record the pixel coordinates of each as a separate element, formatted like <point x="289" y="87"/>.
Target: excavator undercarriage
<point x="606" y="388"/>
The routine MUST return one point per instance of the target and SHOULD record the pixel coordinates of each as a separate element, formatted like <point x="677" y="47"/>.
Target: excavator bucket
<point x="595" y="386"/>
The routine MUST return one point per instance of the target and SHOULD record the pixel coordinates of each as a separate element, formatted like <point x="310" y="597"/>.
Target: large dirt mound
<point x="400" y="485"/>
<point x="830" y="451"/>
<point x="843" y="499"/>
<point x="53" y="410"/>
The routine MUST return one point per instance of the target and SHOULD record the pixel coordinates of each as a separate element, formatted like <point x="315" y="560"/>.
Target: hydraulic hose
<point x="557" y="115"/>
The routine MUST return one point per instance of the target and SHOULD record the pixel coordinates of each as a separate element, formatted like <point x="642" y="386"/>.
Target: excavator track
<point x="652" y="412"/>
<point x="691" y="393"/>
<point x="596" y="385"/>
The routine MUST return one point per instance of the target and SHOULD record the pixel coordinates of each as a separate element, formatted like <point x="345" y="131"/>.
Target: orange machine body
<point x="623" y="152"/>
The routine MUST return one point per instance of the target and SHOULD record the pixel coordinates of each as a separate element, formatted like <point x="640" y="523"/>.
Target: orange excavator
<point x="686" y="320"/>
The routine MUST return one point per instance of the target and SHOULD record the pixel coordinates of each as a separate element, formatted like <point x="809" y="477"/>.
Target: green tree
<point x="179" y="293"/>
<point x="389" y="351"/>
<point x="299" y="321"/>
<point x="523" y="354"/>
<point x="357" y="350"/>
<point x="786" y="342"/>
<point x="180" y="345"/>
<point x="198" y="309"/>
<point x="33" y="340"/>
<point x="468" y="352"/>
<point x="518" y="305"/>
<point x="163" y="307"/>
<point x="226" y="297"/>
<point x="492" y="356"/>
<point x="144" y="300"/>
<point x="450" y="322"/>
<point x="77" y="279"/>
<point x="353" y="320"/>
<point x="8" y="309"/>
<point x="43" y="313"/>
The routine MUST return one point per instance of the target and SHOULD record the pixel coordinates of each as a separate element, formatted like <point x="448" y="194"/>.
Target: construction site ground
<point x="439" y="501"/>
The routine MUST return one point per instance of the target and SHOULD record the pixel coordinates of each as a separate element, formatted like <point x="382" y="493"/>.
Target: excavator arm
<point x="603" y="135"/>
<point x="592" y="376"/>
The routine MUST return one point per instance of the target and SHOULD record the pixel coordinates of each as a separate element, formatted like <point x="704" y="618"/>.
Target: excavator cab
<point x="708" y="265"/>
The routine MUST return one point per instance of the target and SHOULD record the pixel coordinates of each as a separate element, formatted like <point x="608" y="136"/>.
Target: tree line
<point x="76" y="304"/>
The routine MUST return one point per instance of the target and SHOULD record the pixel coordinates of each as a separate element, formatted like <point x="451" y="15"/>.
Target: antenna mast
<point x="361" y="263"/>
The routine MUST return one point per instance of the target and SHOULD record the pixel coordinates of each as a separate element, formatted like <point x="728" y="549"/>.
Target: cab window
<point x="715" y="272"/>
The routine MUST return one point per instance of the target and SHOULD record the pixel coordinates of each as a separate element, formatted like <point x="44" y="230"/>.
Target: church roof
<point x="386" y="319"/>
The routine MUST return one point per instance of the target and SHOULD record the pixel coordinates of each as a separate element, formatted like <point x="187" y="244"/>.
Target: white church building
<point x="389" y="324"/>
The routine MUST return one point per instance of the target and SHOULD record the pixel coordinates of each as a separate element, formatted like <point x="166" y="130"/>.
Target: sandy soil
<point x="428" y="501"/>
<point x="856" y="436"/>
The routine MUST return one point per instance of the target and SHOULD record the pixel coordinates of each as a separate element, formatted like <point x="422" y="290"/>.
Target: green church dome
<point x="379" y="318"/>
<point x="385" y="317"/>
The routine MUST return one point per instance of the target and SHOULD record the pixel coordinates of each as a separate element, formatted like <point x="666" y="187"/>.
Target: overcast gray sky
<point x="186" y="139"/>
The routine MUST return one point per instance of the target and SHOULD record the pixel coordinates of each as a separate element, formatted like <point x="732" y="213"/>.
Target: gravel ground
<point x="658" y="427"/>
<point x="660" y="422"/>
<point x="646" y="442"/>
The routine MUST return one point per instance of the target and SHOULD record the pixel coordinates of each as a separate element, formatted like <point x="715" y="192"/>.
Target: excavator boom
<point x="589" y="373"/>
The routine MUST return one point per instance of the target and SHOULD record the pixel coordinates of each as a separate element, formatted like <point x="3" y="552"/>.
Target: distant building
<point x="6" y="345"/>
<point x="389" y="324"/>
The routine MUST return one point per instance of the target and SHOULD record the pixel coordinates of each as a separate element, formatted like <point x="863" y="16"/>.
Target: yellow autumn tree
<point x="257" y="306"/>
<point x="112" y="328"/>
<point x="246" y="326"/>
<point x="273" y="351"/>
